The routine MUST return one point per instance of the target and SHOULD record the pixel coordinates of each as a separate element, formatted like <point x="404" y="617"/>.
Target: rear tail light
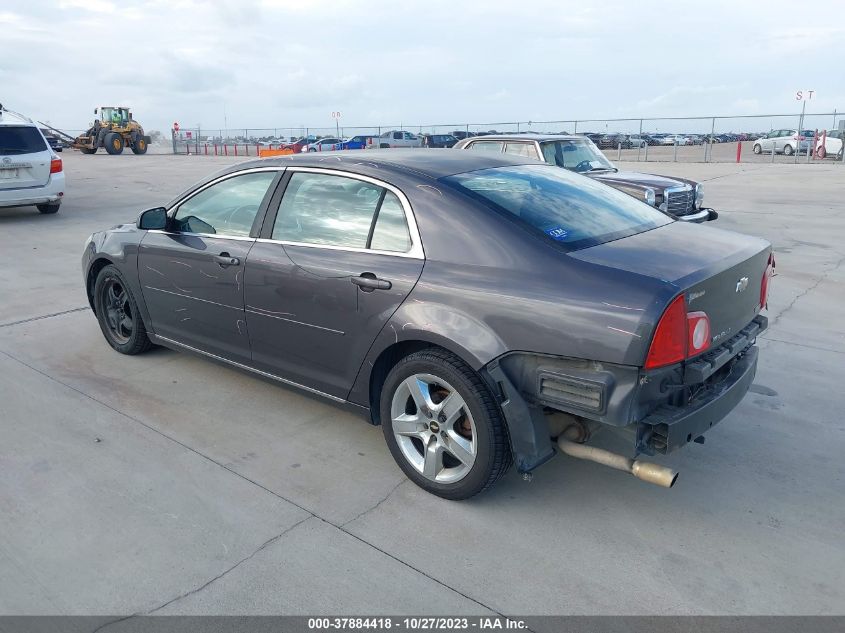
<point x="698" y="330"/>
<point x="764" y="283"/>
<point x="55" y="165"/>
<point x="679" y="335"/>
<point x="669" y="344"/>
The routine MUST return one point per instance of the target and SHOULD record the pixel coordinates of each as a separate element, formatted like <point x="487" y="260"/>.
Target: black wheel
<point x="443" y="426"/>
<point x="757" y="148"/>
<point x="118" y="313"/>
<point x="49" y="209"/>
<point x="384" y="146"/>
<point x="140" y="146"/>
<point x="787" y="150"/>
<point x="113" y="143"/>
<point x="88" y="150"/>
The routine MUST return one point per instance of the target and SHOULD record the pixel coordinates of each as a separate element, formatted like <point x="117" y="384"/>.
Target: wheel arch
<point x="91" y="278"/>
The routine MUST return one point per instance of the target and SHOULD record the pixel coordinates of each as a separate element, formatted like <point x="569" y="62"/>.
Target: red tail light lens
<point x="669" y="344"/>
<point x="764" y="283"/>
<point x="698" y="330"/>
<point x="55" y="165"/>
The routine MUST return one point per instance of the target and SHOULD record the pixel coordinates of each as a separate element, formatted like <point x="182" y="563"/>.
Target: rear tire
<point x="140" y="146"/>
<point x="787" y="150"/>
<point x="114" y="143"/>
<point x="117" y="313"/>
<point x="757" y="148"/>
<point x="456" y="444"/>
<point x="48" y="209"/>
<point x="88" y="150"/>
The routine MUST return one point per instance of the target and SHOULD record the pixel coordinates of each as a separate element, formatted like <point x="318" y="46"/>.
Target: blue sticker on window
<point x="557" y="233"/>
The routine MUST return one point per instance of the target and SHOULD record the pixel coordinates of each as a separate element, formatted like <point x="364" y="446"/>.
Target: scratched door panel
<point x="192" y="297"/>
<point x="308" y="322"/>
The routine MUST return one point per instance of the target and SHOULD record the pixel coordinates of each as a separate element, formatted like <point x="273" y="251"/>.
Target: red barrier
<point x="236" y="149"/>
<point x="206" y="149"/>
<point x="257" y="149"/>
<point x="215" y="149"/>
<point x="226" y="150"/>
<point x="738" y="150"/>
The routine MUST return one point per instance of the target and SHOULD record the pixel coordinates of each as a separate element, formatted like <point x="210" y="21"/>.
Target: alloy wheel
<point x="434" y="428"/>
<point x="119" y="317"/>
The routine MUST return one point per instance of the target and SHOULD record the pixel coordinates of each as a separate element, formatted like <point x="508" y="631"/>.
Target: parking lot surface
<point x="165" y="483"/>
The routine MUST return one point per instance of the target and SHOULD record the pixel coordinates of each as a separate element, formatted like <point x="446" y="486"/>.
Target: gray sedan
<point x="483" y="309"/>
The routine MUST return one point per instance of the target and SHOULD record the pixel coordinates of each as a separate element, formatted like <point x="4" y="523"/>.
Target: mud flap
<point x="529" y="432"/>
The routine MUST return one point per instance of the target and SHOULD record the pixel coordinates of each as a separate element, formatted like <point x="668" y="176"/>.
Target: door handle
<point x="369" y="282"/>
<point x="225" y="260"/>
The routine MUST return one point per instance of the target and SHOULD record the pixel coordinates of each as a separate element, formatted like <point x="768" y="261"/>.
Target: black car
<point x="438" y="140"/>
<point x="681" y="197"/>
<point x="53" y="141"/>
<point x="474" y="305"/>
<point x="612" y="141"/>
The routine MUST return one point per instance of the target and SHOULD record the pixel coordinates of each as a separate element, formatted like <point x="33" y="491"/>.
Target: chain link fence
<point x="671" y="139"/>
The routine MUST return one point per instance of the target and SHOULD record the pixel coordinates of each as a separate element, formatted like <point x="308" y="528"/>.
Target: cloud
<point x="280" y="63"/>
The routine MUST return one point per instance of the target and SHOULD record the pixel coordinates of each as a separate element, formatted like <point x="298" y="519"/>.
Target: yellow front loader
<point x="114" y="130"/>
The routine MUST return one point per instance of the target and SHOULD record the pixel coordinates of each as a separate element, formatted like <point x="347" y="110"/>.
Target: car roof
<point x="431" y="163"/>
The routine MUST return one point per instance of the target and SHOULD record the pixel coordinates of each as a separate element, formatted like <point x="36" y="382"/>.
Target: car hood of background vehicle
<point x="678" y="252"/>
<point x="640" y="180"/>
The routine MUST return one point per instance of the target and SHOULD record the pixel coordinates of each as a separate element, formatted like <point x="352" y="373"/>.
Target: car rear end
<point x="30" y="172"/>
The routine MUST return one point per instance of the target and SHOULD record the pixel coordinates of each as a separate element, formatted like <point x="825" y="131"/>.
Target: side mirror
<point x="95" y="110"/>
<point x="153" y="219"/>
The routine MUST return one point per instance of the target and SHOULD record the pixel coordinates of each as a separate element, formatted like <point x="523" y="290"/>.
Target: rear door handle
<point x="369" y="282"/>
<point x="225" y="260"/>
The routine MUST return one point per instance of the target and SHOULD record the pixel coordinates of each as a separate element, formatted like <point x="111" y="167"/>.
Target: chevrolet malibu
<point x="484" y="309"/>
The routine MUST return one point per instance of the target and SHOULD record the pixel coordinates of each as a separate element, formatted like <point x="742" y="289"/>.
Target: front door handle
<point x="225" y="260"/>
<point x="369" y="282"/>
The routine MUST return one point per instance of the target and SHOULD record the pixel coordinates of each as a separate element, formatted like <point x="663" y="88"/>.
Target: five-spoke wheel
<point x="443" y="425"/>
<point x="117" y="313"/>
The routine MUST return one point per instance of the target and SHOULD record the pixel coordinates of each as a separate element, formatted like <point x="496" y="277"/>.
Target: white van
<point x="30" y="172"/>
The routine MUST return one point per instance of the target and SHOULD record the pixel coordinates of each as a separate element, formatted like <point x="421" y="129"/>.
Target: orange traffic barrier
<point x="264" y="153"/>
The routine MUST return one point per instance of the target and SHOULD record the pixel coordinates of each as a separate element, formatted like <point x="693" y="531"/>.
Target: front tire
<point x="88" y="150"/>
<point x="757" y="148"/>
<point x="787" y="150"/>
<point x="140" y="146"/>
<point x="117" y="313"/>
<point x="114" y="143"/>
<point x="443" y="425"/>
<point x="48" y="209"/>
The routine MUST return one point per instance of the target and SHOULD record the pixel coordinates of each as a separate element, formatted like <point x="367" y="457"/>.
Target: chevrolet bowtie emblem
<point x="742" y="284"/>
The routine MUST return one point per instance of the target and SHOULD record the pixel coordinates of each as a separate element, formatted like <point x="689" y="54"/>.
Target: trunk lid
<point x="718" y="271"/>
<point x="24" y="157"/>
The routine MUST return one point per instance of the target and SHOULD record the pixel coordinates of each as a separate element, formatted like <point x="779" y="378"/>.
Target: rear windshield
<point x="572" y="211"/>
<point x="21" y="140"/>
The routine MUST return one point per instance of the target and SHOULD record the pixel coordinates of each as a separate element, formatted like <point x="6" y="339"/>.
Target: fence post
<point x="675" y="159"/>
<point x="575" y="131"/>
<point x="619" y="151"/>
<point x="712" y="132"/>
<point x="773" y="153"/>
<point x="646" y="153"/>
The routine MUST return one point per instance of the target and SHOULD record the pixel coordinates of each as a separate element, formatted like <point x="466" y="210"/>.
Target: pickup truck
<point x="394" y="138"/>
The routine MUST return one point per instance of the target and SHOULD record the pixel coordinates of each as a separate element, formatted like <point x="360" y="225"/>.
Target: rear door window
<point x="21" y="139"/>
<point x="521" y="149"/>
<point x="570" y="210"/>
<point x="328" y="210"/>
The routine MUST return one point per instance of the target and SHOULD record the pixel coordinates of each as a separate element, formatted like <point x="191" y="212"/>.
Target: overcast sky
<point x="278" y="63"/>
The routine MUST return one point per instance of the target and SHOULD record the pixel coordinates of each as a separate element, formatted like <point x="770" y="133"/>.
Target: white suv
<point x="30" y="172"/>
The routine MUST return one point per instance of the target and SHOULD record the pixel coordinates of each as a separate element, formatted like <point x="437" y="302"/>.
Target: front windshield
<point x="572" y="211"/>
<point x="575" y="155"/>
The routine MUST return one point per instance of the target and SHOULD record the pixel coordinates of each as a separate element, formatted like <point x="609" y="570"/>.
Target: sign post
<point x="803" y="96"/>
<point x="173" y="132"/>
<point x="336" y="117"/>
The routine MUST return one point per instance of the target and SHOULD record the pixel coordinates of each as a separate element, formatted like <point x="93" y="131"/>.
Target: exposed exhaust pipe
<point x="652" y="473"/>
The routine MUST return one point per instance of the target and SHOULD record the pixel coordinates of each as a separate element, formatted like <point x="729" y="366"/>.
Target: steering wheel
<point x="248" y="211"/>
<point x="584" y="165"/>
